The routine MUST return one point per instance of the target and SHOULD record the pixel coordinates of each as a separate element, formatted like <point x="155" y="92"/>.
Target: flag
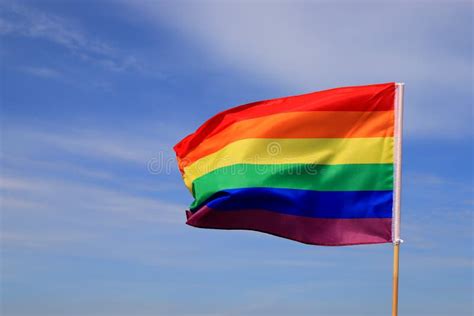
<point x="316" y="168"/>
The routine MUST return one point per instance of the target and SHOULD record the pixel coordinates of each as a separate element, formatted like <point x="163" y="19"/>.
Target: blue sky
<point x="94" y="94"/>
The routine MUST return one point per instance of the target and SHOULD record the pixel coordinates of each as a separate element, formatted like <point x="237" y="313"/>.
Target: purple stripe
<point x="315" y="231"/>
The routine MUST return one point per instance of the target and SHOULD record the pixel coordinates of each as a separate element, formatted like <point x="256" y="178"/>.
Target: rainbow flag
<point x="316" y="168"/>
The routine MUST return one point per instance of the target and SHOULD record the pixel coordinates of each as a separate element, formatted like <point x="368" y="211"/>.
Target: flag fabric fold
<point x="316" y="168"/>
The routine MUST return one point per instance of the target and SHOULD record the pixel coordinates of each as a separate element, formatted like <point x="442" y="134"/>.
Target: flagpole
<point x="397" y="194"/>
<point x="396" y="250"/>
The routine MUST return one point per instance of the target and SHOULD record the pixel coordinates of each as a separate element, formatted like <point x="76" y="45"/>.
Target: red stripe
<point x="377" y="97"/>
<point x="315" y="231"/>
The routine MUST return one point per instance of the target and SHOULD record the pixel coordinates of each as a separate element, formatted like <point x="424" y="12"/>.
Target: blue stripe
<point x="318" y="204"/>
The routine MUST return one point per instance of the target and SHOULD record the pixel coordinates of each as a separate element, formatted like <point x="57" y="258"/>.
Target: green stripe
<point x="350" y="177"/>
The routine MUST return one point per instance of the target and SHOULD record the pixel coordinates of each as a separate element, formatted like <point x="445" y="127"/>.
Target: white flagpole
<point x="397" y="192"/>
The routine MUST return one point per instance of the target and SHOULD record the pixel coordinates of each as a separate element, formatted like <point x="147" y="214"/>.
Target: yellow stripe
<point x="330" y="151"/>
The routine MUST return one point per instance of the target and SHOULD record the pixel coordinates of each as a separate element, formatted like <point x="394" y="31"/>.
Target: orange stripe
<point x="321" y="124"/>
<point x="379" y="97"/>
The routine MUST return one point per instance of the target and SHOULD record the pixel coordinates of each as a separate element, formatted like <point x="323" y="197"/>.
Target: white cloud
<point x="29" y="22"/>
<point x="129" y="146"/>
<point x="15" y="184"/>
<point x="54" y="181"/>
<point x="42" y="240"/>
<point x="308" y="46"/>
<point x="33" y="197"/>
<point x="43" y="72"/>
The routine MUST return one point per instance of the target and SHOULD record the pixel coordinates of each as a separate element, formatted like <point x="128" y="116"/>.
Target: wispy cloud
<point x="60" y="196"/>
<point x="309" y="46"/>
<point x="43" y="72"/>
<point x="130" y="146"/>
<point x="441" y="261"/>
<point x="79" y="186"/>
<point x="43" y="240"/>
<point x="28" y="22"/>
